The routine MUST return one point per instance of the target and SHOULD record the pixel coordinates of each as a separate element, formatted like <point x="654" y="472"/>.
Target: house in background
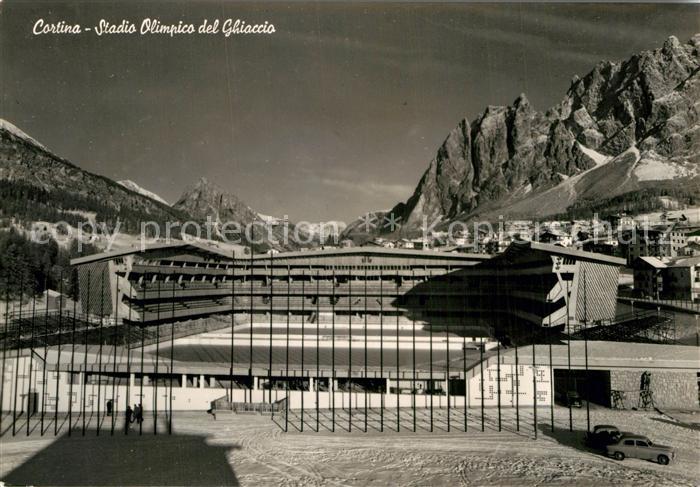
<point x="648" y="278"/>
<point x="662" y="241"/>
<point x="682" y="278"/>
<point x="677" y="278"/>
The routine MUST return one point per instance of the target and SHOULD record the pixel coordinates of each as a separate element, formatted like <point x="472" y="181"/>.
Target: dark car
<point x="602" y="436"/>
<point x="636" y="446"/>
<point x="571" y="398"/>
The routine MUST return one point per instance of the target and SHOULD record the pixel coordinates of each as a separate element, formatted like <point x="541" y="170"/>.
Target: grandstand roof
<point x="189" y="246"/>
<point x="372" y="250"/>
<point x="219" y="254"/>
<point x="606" y="355"/>
<point x="213" y="252"/>
<point x="519" y="246"/>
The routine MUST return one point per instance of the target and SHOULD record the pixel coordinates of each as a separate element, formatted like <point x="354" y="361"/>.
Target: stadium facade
<point x="178" y="327"/>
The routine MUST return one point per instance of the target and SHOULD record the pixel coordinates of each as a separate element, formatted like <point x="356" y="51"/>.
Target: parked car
<point x="602" y="436"/>
<point x="636" y="446"/>
<point x="571" y="398"/>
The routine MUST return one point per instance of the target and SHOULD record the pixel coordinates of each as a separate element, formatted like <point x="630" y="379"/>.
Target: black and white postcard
<point x="349" y="243"/>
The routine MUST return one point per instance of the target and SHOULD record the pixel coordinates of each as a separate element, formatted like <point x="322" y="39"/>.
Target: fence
<point x="692" y="306"/>
<point x="64" y="364"/>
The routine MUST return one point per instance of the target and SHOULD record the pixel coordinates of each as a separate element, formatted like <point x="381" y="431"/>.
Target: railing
<point x="647" y="325"/>
<point x="66" y="315"/>
<point x="680" y="304"/>
<point x="223" y="404"/>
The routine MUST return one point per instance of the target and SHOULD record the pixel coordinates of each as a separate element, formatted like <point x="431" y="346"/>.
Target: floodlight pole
<point x="447" y="367"/>
<point x="318" y="343"/>
<point x="464" y="353"/>
<point x="498" y="360"/>
<point x="551" y="371"/>
<point x="58" y="365"/>
<point x="72" y="361"/>
<point x="398" y="388"/>
<point x="4" y="343"/>
<point x="481" y="379"/>
<point x="413" y="383"/>
<point x="568" y="352"/>
<point x="143" y="346"/>
<point x="172" y="357"/>
<point x="86" y="313"/>
<point x="114" y="356"/>
<point x="516" y="377"/>
<point x="365" y="345"/>
<point x="269" y="364"/>
<point x="19" y="346"/>
<point x="99" y="353"/>
<point x="233" y="321"/>
<point x="155" y="375"/>
<point x="333" y="374"/>
<point x="251" y="380"/>
<point x="46" y="349"/>
<point x="498" y="379"/>
<point x="31" y="359"/>
<point x="350" y="349"/>
<point x="585" y="343"/>
<point x="381" y="349"/>
<point x="127" y="344"/>
<point x="286" y="355"/>
<point x="303" y="343"/>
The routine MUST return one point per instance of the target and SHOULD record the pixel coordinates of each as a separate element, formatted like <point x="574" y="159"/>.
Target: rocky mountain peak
<point x="508" y="152"/>
<point x="672" y="43"/>
<point x="694" y="42"/>
<point x="521" y="101"/>
<point x="206" y="199"/>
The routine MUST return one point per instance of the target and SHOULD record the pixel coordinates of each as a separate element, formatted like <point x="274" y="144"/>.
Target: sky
<point x="337" y="113"/>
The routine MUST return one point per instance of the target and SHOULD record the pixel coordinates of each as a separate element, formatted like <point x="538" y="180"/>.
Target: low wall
<point x="670" y="389"/>
<point x="57" y="392"/>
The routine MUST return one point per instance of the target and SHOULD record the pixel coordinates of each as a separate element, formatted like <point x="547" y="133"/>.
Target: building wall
<point x="648" y="281"/>
<point x="671" y="389"/>
<point x="678" y="282"/>
<point x="197" y="396"/>
<point x="597" y="292"/>
<point x="96" y="284"/>
<point x="508" y="374"/>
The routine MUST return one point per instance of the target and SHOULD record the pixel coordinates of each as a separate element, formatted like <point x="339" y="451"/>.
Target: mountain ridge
<point x="205" y="199"/>
<point x="129" y="184"/>
<point x="37" y="182"/>
<point x="508" y="155"/>
<point x="38" y="185"/>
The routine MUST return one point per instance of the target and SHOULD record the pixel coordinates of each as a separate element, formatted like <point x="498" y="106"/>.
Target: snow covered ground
<point x="253" y="450"/>
<point x="653" y="167"/>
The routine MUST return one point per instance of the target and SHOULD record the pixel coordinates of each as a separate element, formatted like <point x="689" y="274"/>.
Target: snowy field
<point x="253" y="450"/>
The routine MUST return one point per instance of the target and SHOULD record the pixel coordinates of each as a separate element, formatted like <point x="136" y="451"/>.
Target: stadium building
<point x="182" y="326"/>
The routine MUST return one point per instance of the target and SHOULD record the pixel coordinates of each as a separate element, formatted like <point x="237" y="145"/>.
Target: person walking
<point x="138" y="413"/>
<point x="128" y="418"/>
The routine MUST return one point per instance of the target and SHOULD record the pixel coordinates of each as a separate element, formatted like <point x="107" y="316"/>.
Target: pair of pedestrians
<point x="133" y="415"/>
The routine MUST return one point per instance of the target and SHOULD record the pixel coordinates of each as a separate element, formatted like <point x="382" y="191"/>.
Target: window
<point x="629" y="442"/>
<point x="642" y="443"/>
